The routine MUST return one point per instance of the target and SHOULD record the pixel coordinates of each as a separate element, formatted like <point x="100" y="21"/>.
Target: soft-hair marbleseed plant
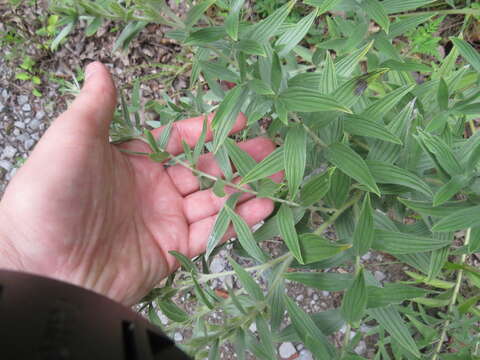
<point x="376" y="140"/>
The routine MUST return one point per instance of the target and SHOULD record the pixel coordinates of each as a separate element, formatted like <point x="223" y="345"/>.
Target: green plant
<point x="29" y="72"/>
<point x="390" y="164"/>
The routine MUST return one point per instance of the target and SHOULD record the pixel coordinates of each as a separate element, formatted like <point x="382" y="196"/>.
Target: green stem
<point x="178" y="161"/>
<point x="453" y="300"/>
<point x="337" y="213"/>
<point x="310" y="132"/>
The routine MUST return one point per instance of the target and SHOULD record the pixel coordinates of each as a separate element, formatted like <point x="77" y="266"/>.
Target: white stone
<point x="325" y="293"/>
<point x="5" y="94"/>
<point x="379" y="275"/>
<point x="253" y="327"/>
<point x="367" y="256"/>
<point x="34" y="124"/>
<point x="22" y="99"/>
<point x="361" y="348"/>
<point x="217" y="265"/>
<point x="300" y="297"/>
<point x="27" y="107"/>
<point x="40" y="115"/>
<point x="28" y="144"/>
<point x="19" y="124"/>
<point x="305" y="355"/>
<point x="9" y="152"/>
<point x="287" y="350"/>
<point x="178" y="337"/>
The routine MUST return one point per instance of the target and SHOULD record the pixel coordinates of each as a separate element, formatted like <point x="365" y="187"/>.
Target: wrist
<point x="9" y="256"/>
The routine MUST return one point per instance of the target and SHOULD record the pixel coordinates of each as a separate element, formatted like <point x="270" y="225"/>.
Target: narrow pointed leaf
<point x="386" y="103"/>
<point x="233" y="19"/>
<point x="316" y="248"/>
<point x="247" y="281"/>
<point x="245" y="236"/>
<point x="295" y="157"/>
<point x="266" y="28"/>
<point x="351" y="164"/>
<point x="308" y="100"/>
<point x="346" y="66"/>
<point x="172" y="311"/>
<point x="363" y="234"/>
<point x="395" y="6"/>
<point x="390" y="319"/>
<point x="462" y="219"/>
<point x="401" y="243"/>
<point x="468" y="52"/>
<point x="357" y="125"/>
<point x="226" y="115"/>
<point x="426" y="208"/>
<point x="293" y="36"/>
<point x="355" y="300"/>
<point x="377" y="12"/>
<point x="251" y="47"/>
<point x="197" y="11"/>
<point x="329" y="81"/>
<point x="242" y="160"/>
<point x="323" y="5"/>
<point x="272" y="164"/>
<point x="286" y="225"/>
<point x="315" y="188"/>
<point x="392" y="294"/>
<point x="447" y="191"/>
<point x="384" y="173"/>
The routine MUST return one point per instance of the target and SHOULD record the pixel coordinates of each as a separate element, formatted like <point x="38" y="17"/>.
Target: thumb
<point x="92" y="111"/>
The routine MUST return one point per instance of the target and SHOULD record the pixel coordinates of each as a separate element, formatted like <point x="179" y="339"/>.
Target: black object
<point x="46" y="319"/>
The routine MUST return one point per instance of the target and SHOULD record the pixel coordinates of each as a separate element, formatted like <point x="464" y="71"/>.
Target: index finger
<point x="189" y="130"/>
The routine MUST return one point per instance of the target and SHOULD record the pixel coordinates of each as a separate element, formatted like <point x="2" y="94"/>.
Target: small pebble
<point x="300" y="298"/>
<point x="379" y="275"/>
<point x="253" y="327"/>
<point x="5" y="94"/>
<point x="305" y="355"/>
<point x="367" y="256"/>
<point x="34" y="124"/>
<point x="19" y="124"/>
<point x="27" y="107"/>
<point x="28" y="144"/>
<point x="4" y="164"/>
<point x="22" y="99"/>
<point x="361" y="348"/>
<point x="40" y="115"/>
<point x="287" y="350"/>
<point x="9" y="152"/>
<point x="178" y="337"/>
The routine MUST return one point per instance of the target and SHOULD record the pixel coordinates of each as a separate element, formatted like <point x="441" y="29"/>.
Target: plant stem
<point x="310" y="132"/>
<point x="337" y="213"/>
<point x="346" y="339"/>
<point x="453" y="300"/>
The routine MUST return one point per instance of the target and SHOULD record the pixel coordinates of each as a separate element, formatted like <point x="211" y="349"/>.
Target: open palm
<point x="82" y="211"/>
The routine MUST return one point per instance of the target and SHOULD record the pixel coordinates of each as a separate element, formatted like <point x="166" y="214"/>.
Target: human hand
<point x="82" y="211"/>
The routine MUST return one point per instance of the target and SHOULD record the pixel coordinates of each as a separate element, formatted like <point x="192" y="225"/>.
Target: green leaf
<point x="308" y="100"/>
<point x="347" y="65"/>
<point x="233" y="19"/>
<point x="294" y="35"/>
<point x="392" y="294"/>
<point x="310" y="80"/>
<point x="247" y="282"/>
<point x="382" y="106"/>
<point x="426" y="207"/>
<point x="390" y="319"/>
<point x="315" y="188"/>
<point x="328" y="80"/>
<point x="127" y="35"/>
<point x="395" y="6"/>
<point x="447" y="191"/>
<point x="286" y="225"/>
<point x="322" y="5"/>
<point x="404" y="24"/>
<point x="226" y="115"/>
<point x="377" y="12"/>
<point x="23" y="76"/>
<point x="251" y="47"/>
<point x="185" y="262"/>
<point x="305" y="327"/>
<point x="245" y="236"/>
<point x="201" y="142"/>
<point x="351" y="164"/>
<point x="62" y="35"/>
<point x="214" y="352"/>
<point x="401" y="243"/>
<point x="266" y="28"/>
<point x="205" y="36"/>
<point x="196" y="12"/>
<point x="461" y="219"/>
<point x="439" y="257"/>
<point x="221" y="156"/>
<point x="442" y="152"/>
<point x="218" y="71"/>
<point x="295" y="157"/>
<point x="172" y="311"/>
<point x="355" y="300"/>
<point x="316" y="248"/>
<point x="221" y="224"/>
<point x="357" y="125"/>
<point x="260" y="87"/>
<point x="323" y="281"/>
<point x="265" y="335"/>
<point x="242" y="160"/>
<point x="406" y="66"/>
<point x="363" y="234"/>
<point x="384" y="173"/>
<point x="468" y="52"/>
<point x="442" y="95"/>
<point x="272" y="164"/>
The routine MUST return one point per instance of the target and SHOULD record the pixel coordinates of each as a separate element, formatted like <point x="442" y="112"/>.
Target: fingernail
<point x="90" y="70"/>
